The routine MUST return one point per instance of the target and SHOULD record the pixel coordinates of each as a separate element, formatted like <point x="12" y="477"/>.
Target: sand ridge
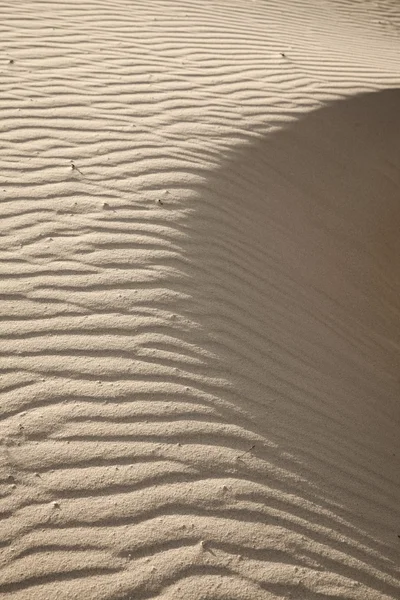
<point x="199" y="300"/>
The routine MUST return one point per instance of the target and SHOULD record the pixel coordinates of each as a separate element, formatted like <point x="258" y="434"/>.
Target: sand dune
<point x="200" y="300"/>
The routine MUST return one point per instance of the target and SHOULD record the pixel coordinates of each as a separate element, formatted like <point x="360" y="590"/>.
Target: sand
<point x="200" y="299"/>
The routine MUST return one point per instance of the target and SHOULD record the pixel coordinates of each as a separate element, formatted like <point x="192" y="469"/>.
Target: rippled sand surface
<point x="199" y="300"/>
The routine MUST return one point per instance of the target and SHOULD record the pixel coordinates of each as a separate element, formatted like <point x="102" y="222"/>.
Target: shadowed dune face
<point x="295" y="247"/>
<point x="301" y="257"/>
<point x="300" y="281"/>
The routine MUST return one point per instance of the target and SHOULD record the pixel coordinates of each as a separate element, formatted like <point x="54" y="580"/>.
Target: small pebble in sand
<point x="11" y="61"/>
<point x="75" y="168"/>
<point x="56" y="505"/>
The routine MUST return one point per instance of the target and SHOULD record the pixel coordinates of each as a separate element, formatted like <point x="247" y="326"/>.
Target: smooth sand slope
<point x="200" y="299"/>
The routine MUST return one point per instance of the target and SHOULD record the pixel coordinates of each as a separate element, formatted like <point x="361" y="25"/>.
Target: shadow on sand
<point x="295" y="254"/>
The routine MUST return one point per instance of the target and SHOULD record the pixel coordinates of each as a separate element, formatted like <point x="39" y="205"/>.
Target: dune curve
<point x="200" y="300"/>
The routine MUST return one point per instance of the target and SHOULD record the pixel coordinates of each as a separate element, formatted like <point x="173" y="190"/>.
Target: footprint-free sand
<point x="200" y="300"/>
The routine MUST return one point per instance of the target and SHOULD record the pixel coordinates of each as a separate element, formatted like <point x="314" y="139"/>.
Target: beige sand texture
<point x="200" y="299"/>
